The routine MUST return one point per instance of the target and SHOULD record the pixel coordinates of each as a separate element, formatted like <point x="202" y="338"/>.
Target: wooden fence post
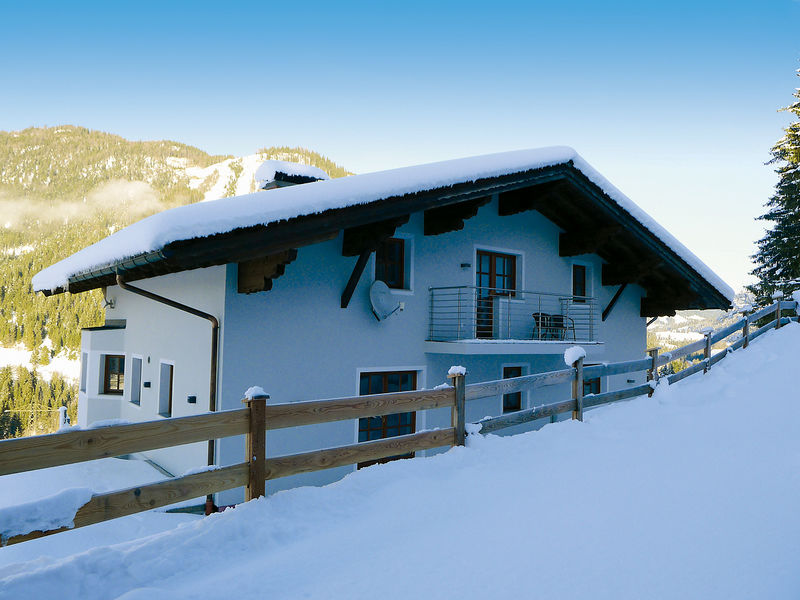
<point x="458" y="413"/>
<point x="256" y="447"/>
<point x="778" y="314"/>
<point x="577" y="390"/>
<point x="746" y="329"/>
<point x="707" y="352"/>
<point x="652" y="372"/>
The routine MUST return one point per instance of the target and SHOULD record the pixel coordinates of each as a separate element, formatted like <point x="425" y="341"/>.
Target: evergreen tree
<point x="778" y="257"/>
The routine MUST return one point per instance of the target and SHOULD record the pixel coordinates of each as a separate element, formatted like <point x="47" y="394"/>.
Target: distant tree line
<point x="29" y="404"/>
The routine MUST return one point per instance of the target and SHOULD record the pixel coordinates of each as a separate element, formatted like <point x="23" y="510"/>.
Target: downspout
<point x="212" y="392"/>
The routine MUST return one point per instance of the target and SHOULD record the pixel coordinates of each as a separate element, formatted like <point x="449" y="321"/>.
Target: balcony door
<point x="495" y="276"/>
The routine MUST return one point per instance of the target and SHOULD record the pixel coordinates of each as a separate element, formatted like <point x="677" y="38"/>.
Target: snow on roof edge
<point x="261" y="208"/>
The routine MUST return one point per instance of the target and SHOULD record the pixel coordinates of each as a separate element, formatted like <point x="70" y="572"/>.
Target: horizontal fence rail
<point x="469" y="312"/>
<point x="517" y="384"/>
<point x="56" y="449"/>
<point x="295" y="414"/>
<point x="39" y="452"/>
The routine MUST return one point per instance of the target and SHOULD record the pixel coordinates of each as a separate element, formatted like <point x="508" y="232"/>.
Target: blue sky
<point x="676" y="103"/>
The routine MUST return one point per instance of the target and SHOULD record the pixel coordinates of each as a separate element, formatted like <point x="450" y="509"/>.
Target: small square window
<point x="113" y="374"/>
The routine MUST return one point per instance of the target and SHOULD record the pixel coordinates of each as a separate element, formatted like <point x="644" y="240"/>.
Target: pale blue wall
<point x="298" y="344"/>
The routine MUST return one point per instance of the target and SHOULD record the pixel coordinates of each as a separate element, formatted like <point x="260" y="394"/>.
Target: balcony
<point x="492" y="318"/>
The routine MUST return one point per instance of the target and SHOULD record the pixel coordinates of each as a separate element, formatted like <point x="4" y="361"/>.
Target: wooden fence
<point x="38" y="452"/>
<point x="578" y="373"/>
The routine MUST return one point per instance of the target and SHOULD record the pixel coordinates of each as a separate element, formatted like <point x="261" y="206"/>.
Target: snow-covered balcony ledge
<point x="481" y="320"/>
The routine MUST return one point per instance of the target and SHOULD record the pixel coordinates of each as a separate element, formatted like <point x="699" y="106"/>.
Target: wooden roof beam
<point x="451" y="217"/>
<point x="257" y="275"/>
<point x="367" y="238"/>
<point x="573" y="243"/>
<point x="618" y="273"/>
<point x="666" y="303"/>
<point x="521" y="200"/>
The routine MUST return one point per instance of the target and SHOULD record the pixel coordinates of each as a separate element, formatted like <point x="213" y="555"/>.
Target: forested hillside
<point x="63" y="188"/>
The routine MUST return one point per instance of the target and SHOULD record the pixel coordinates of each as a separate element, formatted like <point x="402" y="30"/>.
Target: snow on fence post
<point x="652" y="372"/>
<point x="256" y="442"/>
<point x="577" y="389"/>
<point x="458" y="412"/>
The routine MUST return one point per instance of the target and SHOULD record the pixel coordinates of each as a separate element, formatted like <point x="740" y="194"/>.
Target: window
<point x="84" y="370"/>
<point x="512" y="402"/>
<point x="496" y="273"/>
<point x="377" y="428"/>
<point x="579" y="283"/>
<point x="165" y="389"/>
<point x="136" y="380"/>
<point x="113" y="374"/>
<point x="591" y="386"/>
<point x="390" y="259"/>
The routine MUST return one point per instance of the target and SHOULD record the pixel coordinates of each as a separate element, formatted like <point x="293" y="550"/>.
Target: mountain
<point x="63" y="188"/>
<point x="686" y="326"/>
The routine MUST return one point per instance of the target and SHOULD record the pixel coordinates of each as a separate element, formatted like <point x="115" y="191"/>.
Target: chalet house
<point x="497" y="263"/>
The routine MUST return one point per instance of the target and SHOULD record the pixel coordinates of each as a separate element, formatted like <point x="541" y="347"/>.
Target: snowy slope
<point x="102" y="475"/>
<point x="689" y="494"/>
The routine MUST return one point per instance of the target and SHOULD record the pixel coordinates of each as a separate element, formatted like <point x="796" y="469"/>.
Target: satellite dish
<point x="383" y="303"/>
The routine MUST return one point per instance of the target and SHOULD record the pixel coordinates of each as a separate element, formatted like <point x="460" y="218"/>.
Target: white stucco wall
<point x="157" y="333"/>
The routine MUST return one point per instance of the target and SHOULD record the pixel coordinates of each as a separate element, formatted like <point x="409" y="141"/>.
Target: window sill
<point x="401" y="291"/>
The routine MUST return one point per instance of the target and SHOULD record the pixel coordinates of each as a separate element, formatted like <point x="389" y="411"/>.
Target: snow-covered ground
<point x="103" y="475"/>
<point x="689" y="494"/>
<point x="19" y="356"/>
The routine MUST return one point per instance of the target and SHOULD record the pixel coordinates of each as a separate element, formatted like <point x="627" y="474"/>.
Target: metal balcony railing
<point x="474" y="313"/>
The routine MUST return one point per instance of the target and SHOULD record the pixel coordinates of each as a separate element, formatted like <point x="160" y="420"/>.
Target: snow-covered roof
<point x="271" y="170"/>
<point x="138" y="241"/>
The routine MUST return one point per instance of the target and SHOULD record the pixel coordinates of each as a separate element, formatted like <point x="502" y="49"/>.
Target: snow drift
<point x="689" y="494"/>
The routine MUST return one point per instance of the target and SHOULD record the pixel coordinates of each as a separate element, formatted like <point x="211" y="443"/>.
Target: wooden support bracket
<point x="451" y="217"/>
<point x="355" y="276"/>
<point x="367" y="238"/>
<point x="607" y="310"/>
<point x="256" y="275"/>
<point x="573" y="243"/>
